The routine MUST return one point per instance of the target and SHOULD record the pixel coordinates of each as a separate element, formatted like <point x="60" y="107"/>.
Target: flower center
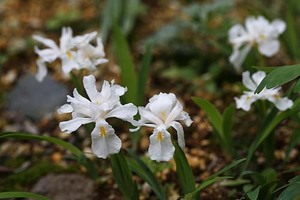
<point x="163" y="116"/>
<point x="160" y="136"/>
<point x="69" y="54"/>
<point x="103" y="131"/>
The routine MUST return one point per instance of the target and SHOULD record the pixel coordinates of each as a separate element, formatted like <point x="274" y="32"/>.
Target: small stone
<point x="66" y="186"/>
<point x="36" y="99"/>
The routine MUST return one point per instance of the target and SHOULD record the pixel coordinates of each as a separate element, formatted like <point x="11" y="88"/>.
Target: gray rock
<point x="36" y="99"/>
<point x="66" y="186"/>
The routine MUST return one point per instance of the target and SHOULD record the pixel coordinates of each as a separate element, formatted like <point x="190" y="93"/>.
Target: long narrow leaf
<point x="143" y="75"/>
<point x="128" y="74"/>
<point x="212" y="113"/>
<point x="279" y="76"/>
<point x="227" y="128"/>
<point x="214" y="177"/>
<point x="144" y="172"/>
<point x="269" y="128"/>
<point x="123" y="176"/>
<point x="8" y="195"/>
<point x="183" y="171"/>
<point x="82" y="159"/>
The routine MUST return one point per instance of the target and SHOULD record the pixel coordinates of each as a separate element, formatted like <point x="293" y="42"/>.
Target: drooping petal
<point x="161" y="147"/>
<point x="184" y="116"/>
<point x="124" y="112"/>
<point x="47" y="55"/>
<point x="248" y="82"/>
<point x="66" y="108"/>
<point x="239" y="55"/>
<point x="104" y="141"/>
<point x="89" y="83"/>
<point x="42" y="70"/>
<point x="281" y="103"/>
<point x="73" y="124"/>
<point x="279" y="25"/>
<point x="269" y="47"/>
<point x="245" y="101"/>
<point x="180" y="134"/>
<point x="45" y="41"/>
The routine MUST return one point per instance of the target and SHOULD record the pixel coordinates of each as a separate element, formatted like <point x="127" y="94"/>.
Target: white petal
<point x="124" y="112"/>
<point x="281" y="103"/>
<point x="248" y="82"/>
<point x="45" y="41"/>
<point x="269" y="47"/>
<point x="89" y="83"/>
<point x="67" y="108"/>
<point x="180" y="134"/>
<point x="279" y="25"/>
<point x="48" y="55"/>
<point x="175" y="112"/>
<point x="161" y="147"/>
<point x="258" y="77"/>
<point x="244" y="102"/>
<point x="162" y="103"/>
<point x="42" y="70"/>
<point x="148" y="116"/>
<point x="236" y="31"/>
<point x="184" y="116"/>
<point x="104" y="141"/>
<point x="73" y="124"/>
<point x="239" y="55"/>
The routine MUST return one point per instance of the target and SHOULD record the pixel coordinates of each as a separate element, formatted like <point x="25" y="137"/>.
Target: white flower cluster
<point x="257" y="31"/>
<point x="162" y="112"/>
<point x="74" y="52"/>
<point x="272" y="95"/>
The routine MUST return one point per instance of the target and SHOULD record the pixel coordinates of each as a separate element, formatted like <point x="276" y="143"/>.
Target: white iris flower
<point x="162" y="112"/>
<point x="257" y="31"/>
<point x="74" y="52"/>
<point x="272" y="95"/>
<point x="99" y="107"/>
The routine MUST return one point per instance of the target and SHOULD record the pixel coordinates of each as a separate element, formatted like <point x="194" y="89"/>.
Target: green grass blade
<point x="269" y="128"/>
<point x="82" y="159"/>
<point x="123" y="176"/>
<point x="279" y="76"/>
<point x="7" y="195"/>
<point x="227" y="128"/>
<point x="139" y="167"/>
<point x="212" y="113"/>
<point x="143" y="75"/>
<point x="183" y="170"/>
<point x="128" y="74"/>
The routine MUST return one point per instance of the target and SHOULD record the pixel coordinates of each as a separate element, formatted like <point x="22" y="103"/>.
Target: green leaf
<point x="143" y="75"/>
<point x="183" y="171"/>
<point x="82" y="159"/>
<point x="279" y="77"/>
<point x="111" y="11"/>
<point x="265" y="69"/>
<point x="7" y="195"/>
<point x="253" y="195"/>
<point x="292" y="192"/>
<point x="227" y="128"/>
<point x="212" y="113"/>
<point x="297" y="86"/>
<point x="269" y="127"/>
<point x="139" y="167"/>
<point x="128" y="74"/>
<point x="214" y="177"/>
<point x="123" y="176"/>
